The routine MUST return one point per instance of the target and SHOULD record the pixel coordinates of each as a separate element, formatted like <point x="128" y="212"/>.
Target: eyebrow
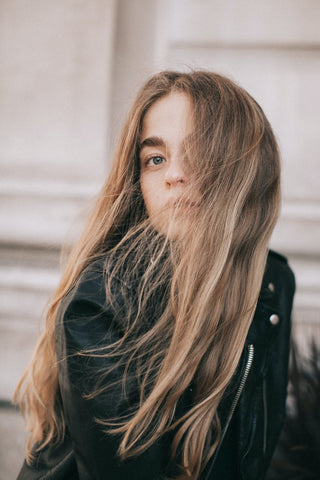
<point x="152" y="142"/>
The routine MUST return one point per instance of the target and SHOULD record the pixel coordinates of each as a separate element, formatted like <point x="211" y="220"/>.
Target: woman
<point x="165" y="352"/>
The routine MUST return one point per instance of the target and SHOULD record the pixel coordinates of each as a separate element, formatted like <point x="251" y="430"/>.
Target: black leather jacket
<point x="251" y="412"/>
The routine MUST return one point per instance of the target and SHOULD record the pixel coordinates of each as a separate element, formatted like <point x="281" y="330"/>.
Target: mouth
<point x="185" y="202"/>
<point x="182" y="204"/>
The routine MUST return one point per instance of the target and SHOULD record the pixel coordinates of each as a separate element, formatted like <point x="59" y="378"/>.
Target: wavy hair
<point x="211" y="277"/>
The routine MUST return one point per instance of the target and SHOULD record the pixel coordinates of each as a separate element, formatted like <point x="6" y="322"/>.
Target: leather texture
<point x="85" y="321"/>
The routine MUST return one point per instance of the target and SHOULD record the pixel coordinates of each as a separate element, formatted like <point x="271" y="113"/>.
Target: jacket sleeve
<point x="275" y="382"/>
<point x="262" y="407"/>
<point x="85" y="322"/>
<point x="276" y="378"/>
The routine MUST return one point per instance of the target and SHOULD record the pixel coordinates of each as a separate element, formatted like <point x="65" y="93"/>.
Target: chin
<point x="177" y="229"/>
<point x="173" y="228"/>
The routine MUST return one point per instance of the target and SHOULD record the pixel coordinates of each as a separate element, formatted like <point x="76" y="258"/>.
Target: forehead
<point x="169" y="117"/>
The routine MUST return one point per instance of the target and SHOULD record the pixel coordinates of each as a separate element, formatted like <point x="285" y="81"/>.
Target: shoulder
<point x="272" y="318"/>
<point x="273" y="311"/>
<point x="278" y="256"/>
<point x="278" y="284"/>
<point x="279" y="274"/>
<point x="90" y="286"/>
<point x="86" y="315"/>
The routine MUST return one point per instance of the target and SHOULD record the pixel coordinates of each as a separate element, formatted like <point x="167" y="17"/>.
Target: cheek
<point x="151" y="193"/>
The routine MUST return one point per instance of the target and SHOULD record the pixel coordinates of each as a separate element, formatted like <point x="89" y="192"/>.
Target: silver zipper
<point x="234" y="404"/>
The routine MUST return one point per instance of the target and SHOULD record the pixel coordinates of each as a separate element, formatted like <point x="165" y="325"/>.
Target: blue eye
<point x="157" y="160"/>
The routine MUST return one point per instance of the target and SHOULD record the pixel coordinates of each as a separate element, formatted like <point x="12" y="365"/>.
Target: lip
<point x="181" y="204"/>
<point x="184" y="205"/>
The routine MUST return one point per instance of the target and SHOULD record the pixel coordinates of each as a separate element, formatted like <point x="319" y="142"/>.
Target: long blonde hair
<point x="211" y="278"/>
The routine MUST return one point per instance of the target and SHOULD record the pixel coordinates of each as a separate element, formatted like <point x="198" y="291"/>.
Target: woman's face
<point x="164" y="177"/>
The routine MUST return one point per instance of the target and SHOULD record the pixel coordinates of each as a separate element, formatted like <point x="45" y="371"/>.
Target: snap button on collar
<point x="271" y="287"/>
<point x="274" y="319"/>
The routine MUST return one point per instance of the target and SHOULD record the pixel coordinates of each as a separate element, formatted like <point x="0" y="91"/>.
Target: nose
<point x="175" y="174"/>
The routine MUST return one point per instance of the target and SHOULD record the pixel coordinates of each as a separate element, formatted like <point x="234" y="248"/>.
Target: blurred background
<point x="69" y="70"/>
